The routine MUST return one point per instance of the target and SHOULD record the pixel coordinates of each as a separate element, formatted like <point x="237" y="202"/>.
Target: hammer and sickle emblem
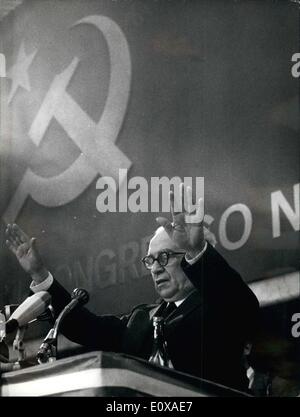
<point x="99" y="154"/>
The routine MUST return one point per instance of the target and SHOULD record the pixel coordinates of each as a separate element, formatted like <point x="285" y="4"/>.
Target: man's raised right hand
<point x="24" y="248"/>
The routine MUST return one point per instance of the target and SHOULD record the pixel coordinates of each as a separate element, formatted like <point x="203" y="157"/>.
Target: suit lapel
<point x="180" y="313"/>
<point x="156" y="311"/>
<point x="183" y="311"/>
<point x="140" y="328"/>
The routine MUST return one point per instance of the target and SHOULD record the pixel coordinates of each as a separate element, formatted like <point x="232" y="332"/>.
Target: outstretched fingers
<point x="200" y="210"/>
<point x="11" y="241"/>
<point x="197" y="218"/>
<point x="32" y="243"/>
<point x="11" y="246"/>
<point x="188" y="202"/>
<point x="19" y="234"/>
<point x="172" y="199"/>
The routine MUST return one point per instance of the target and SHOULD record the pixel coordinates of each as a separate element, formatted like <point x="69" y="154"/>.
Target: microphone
<point x="79" y="296"/>
<point x="48" y="349"/>
<point x="29" y="310"/>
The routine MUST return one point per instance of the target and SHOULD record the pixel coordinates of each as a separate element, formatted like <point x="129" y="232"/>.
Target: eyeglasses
<point x="162" y="259"/>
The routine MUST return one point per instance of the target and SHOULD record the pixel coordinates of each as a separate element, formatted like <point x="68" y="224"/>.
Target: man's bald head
<point x="170" y="281"/>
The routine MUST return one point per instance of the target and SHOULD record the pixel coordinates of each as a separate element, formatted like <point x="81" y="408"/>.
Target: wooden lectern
<point x="106" y="374"/>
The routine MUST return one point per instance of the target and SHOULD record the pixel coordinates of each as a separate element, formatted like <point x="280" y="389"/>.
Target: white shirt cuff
<point x="192" y="261"/>
<point x="42" y="286"/>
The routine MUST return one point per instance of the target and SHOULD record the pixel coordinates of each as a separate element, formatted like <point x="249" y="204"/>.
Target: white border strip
<point x="95" y="378"/>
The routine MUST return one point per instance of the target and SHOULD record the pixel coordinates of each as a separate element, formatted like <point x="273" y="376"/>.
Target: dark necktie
<point x="168" y="310"/>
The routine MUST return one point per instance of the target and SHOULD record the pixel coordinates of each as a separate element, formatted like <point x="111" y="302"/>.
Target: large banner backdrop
<point x="131" y="90"/>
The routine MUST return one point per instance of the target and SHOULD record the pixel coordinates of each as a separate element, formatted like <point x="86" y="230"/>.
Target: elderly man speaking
<point x="209" y="312"/>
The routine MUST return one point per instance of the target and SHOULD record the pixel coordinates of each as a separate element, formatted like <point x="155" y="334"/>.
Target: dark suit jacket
<point x="205" y="334"/>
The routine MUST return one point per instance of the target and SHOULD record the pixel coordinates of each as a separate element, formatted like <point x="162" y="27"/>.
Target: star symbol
<point x="18" y="73"/>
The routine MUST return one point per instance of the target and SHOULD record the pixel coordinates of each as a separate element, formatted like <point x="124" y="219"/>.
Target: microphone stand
<point x="18" y="344"/>
<point x="48" y="349"/>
